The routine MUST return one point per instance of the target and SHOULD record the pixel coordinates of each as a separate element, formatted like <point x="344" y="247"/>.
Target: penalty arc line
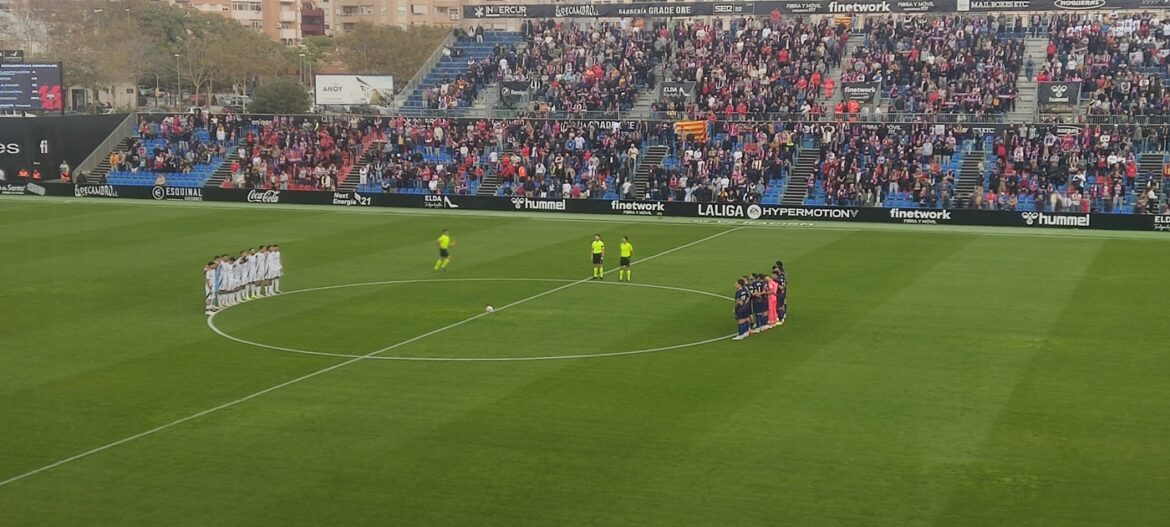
<point x="316" y="373"/>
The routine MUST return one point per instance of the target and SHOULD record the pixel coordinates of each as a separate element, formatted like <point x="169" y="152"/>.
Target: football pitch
<point x="926" y="375"/>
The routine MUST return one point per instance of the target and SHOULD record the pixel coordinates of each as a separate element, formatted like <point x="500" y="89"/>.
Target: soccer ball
<point x="489" y="309"/>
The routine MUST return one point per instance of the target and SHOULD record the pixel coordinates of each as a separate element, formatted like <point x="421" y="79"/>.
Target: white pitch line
<point x="308" y="376"/>
<point x="220" y="332"/>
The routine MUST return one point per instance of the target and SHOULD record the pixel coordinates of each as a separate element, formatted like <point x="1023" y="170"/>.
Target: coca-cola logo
<point x="264" y="196"/>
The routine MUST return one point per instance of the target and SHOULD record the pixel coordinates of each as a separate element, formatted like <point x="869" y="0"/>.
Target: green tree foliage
<point x="388" y="50"/>
<point x="104" y="43"/>
<point x="280" y="95"/>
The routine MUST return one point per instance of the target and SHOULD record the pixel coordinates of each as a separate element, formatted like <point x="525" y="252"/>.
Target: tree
<point x="388" y="50"/>
<point x="280" y="95"/>
<point x="240" y="56"/>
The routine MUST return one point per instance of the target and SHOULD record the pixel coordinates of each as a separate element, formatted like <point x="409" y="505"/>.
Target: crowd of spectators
<point x="863" y="166"/>
<point x="737" y="166"/>
<point x="570" y="159"/>
<point x="576" y="67"/>
<point x="935" y="65"/>
<point x="177" y="144"/>
<point x="300" y="153"/>
<point x="1119" y="61"/>
<point x="753" y="65"/>
<point x="1036" y="168"/>
<point x="436" y="156"/>
<point x="464" y="88"/>
<point x="529" y="157"/>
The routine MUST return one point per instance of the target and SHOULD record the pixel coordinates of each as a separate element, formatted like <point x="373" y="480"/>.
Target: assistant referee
<point x="627" y="250"/>
<point x="598" y="253"/>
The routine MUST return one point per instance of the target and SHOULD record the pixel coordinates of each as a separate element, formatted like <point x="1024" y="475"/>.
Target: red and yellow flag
<point x="696" y="130"/>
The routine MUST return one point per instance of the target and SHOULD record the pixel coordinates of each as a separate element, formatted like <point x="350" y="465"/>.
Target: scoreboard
<point x="31" y="87"/>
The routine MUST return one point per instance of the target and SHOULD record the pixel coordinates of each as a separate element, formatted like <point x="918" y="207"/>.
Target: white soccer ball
<point x="489" y="309"/>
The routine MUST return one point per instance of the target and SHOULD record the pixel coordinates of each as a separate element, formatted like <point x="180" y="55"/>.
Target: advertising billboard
<point x="42" y="143"/>
<point x="31" y="87"/>
<point x="376" y="90"/>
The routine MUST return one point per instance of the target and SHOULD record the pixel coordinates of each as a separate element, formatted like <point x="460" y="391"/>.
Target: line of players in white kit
<point x="229" y="280"/>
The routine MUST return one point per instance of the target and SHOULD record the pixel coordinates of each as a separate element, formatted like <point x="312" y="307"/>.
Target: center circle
<point x="544" y="313"/>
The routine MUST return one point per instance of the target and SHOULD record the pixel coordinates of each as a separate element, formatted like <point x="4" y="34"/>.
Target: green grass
<point x="927" y="376"/>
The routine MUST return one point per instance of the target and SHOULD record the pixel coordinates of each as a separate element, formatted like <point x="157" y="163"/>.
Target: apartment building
<point x="291" y="20"/>
<point x="279" y="19"/>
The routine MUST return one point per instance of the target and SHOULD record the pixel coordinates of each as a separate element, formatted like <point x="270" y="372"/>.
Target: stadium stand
<point x="940" y="65"/>
<point x="743" y="163"/>
<point x="884" y="166"/>
<point x="176" y="150"/>
<point x="577" y="67"/>
<point x="1040" y="170"/>
<point x="520" y="158"/>
<point x="757" y="131"/>
<point x="1120" y="61"/>
<point x="458" y="77"/>
<point x="756" y="66"/>
<point x="300" y="153"/>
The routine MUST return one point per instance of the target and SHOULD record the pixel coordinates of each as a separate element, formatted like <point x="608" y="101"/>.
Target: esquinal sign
<point x="183" y="193"/>
<point x="638" y="208"/>
<point x="1040" y="219"/>
<point x="264" y="196"/>
<point x="1162" y="223"/>
<point x="538" y="204"/>
<point x="920" y="216"/>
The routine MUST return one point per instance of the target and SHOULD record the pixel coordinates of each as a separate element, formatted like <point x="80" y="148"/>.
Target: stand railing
<point x="123" y="130"/>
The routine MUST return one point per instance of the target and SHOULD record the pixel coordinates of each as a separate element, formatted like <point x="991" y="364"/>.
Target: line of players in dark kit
<point x="761" y="301"/>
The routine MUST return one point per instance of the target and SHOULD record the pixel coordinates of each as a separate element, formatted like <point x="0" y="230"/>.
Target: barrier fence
<point x="673" y="209"/>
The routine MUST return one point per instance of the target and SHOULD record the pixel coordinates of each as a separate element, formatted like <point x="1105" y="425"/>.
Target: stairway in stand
<point x="1149" y="166"/>
<point x="98" y="174"/>
<point x="1025" y="111"/>
<point x="651" y="159"/>
<point x="491" y="180"/>
<point x="224" y="172"/>
<point x="969" y="178"/>
<point x="350" y="183"/>
<point x="1149" y="169"/>
<point x="803" y="169"/>
<point x="836" y="71"/>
